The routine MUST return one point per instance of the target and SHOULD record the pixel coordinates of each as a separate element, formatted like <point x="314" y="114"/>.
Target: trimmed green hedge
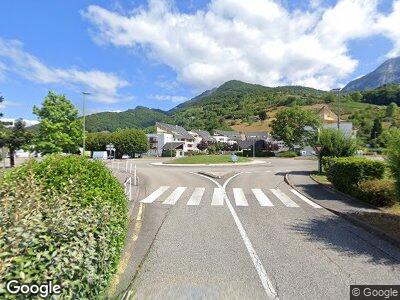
<point x="379" y="192"/>
<point x="346" y="172"/>
<point x="287" y="154"/>
<point x="62" y="219"/>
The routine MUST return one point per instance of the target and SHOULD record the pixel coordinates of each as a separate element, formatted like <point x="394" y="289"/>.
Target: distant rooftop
<point x="178" y="131"/>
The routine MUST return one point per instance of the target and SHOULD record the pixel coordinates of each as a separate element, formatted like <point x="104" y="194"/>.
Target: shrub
<point x="393" y="157"/>
<point x="335" y="144"/>
<point x="168" y="153"/>
<point x="379" y="192"/>
<point x="346" y="172"/>
<point x="286" y="154"/>
<point x="258" y="153"/>
<point x="62" y="219"/>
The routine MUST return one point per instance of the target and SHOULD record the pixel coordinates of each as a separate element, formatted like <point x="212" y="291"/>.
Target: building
<point x="170" y="135"/>
<point x="345" y="127"/>
<point x="256" y="135"/>
<point x="227" y="137"/>
<point x="327" y="115"/>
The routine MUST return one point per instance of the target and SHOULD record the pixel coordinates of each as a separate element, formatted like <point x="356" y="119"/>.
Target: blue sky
<point x="158" y="53"/>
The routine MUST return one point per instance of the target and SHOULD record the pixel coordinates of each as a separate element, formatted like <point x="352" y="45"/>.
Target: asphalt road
<point x="256" y="239"/>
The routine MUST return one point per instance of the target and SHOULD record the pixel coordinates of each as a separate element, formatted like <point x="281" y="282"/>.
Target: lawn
<point x="206" y="159"/>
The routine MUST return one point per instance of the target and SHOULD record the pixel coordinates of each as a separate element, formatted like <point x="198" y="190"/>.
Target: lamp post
<point x="318" y="149"/>
<point x="84" y="121"/>
<point x="338" y="104"/>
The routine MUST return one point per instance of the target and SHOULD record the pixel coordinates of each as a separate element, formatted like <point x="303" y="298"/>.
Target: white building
<point x="174" y="136"/>
<point x="227" y="137"/>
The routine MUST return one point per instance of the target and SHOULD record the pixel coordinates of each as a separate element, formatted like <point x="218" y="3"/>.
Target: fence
<point x="128" y="188"/>
<point x="128" y="167"/>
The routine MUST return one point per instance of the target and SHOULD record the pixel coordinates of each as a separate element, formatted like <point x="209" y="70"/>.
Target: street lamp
<point x="84" y="94"/>
<point x="338" y="102"/>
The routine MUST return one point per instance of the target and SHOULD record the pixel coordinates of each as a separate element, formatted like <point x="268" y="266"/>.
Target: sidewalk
<point x="326" y="197"/>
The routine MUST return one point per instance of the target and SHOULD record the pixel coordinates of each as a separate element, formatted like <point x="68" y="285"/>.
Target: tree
<point x="391" y="110"/>
<point x="60" y="130"/>
<point x="356" y="96"/>
<point x="130" y="141"/>
<point x="97" y="141"/>
<point x="203" y="145"/>
<point x="295" y="126"/>
<point x="16" y="138"/>
<point x="376" y="130"/>
<point x="386" y="137"/>
<point x="393" y="158"/>
<point x="1" y="101"/>
<point x="263" y="115"/>
<point x="335" y="144"/>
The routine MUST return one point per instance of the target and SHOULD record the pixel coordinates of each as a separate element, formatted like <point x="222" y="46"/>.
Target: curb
<point x="254" y="163"/>
<point x="369" y="228"/>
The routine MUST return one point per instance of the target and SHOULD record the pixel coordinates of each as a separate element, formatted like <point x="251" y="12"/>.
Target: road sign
<point x="234" y="158"/>
<point x="109" y="147"/>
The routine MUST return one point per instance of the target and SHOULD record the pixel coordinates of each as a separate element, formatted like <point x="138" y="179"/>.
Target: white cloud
<point x="170" y="98"/>
<point x="27" y="122"/>
<point x="258" y="41"/>
<point x="105" y="86"/>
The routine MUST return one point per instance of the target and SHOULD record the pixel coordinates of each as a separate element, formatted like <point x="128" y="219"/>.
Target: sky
<point x="160" y="53"/>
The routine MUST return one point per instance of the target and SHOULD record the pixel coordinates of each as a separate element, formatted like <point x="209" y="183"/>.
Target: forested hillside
<point x="140" y="117"/>
<point x="243" y="106"/>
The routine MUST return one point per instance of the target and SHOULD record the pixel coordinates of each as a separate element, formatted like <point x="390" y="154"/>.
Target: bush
<point x="258" y="153"/>
<point x="62" y="219"/>
<point x="335" y="144"/>
<point x="168" y="153"/>
<point x="286" y="154"/>
<point x="393" y="157"/>
<point x="346" y="172"/>
<point x="379" y="192"/>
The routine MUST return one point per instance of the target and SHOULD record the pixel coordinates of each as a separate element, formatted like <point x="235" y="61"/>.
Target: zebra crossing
<point x="262" y="197"/>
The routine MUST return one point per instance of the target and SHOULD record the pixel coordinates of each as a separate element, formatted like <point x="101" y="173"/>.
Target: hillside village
<point x="181" y="142"/>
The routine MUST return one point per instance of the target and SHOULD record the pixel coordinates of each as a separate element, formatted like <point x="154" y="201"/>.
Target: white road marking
<point x="240" y="198"/>
<point x="262" y="274"/>
<point x="262" y="198"/>
<point x="175" y="195"/>
<point x="285" y="199"/>
<point x="218" y="197"/>
<point x="305" y="199"/>
<point x="196" y="196"/>
<point x="154" y="195"/>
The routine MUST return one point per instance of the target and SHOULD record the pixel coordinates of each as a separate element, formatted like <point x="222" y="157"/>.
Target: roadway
<point x="245" y="236"/>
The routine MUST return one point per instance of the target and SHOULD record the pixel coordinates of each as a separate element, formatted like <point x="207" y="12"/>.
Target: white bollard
<point x="130" y="168"/>
<point x="135" y="177"/>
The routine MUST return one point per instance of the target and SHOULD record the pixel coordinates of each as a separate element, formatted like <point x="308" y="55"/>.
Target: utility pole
<point x="84" y="121"/>
<point x="338" y="106"/>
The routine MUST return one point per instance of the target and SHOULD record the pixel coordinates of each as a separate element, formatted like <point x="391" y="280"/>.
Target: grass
<point x="206" y="159"/>
<point x="321" y="178"/>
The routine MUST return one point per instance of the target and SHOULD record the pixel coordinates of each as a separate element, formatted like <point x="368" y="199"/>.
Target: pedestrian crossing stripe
<point x="241" y="199"/>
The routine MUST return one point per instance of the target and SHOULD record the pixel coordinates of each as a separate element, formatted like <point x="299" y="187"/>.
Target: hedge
<point x="63" y="219"/>
<point x="286" y="154"/>
<point x="379" y="192"/>
<point x="346" y="172"/>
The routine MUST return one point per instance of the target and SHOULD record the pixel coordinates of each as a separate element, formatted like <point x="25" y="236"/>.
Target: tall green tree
<point x="130" y="141"/>
<point x="376" y="130"/>
<point x="335" y="144"/>
<point x="60" y="130"/>
<point x="393" y="157"/>
<point x="97" y="141"/>
<point x="16" y="138"/>
<point x="391" y="110"/>
<point x="295" y="126"/>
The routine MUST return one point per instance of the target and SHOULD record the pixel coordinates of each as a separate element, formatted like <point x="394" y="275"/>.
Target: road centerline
<point x="262" y="273"/>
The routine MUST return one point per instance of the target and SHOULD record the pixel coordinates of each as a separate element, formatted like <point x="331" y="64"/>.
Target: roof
<point x="256" y="135"/>
<point x="178" y="131"/>
<point x="233" y="135"/>
<point x="205" y="135"/>
<point x="327" y="115"/>
<point x="172" y="145"/>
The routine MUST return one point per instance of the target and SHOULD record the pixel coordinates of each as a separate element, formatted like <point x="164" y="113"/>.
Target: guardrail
<point x="128" y="188"/>
<point x="128" y="168"/>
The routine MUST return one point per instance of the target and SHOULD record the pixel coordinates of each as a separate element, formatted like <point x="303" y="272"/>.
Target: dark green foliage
<point x="168" y="153"/>
<point x="140" y="117"/>
<point x="378" y="192"/>
<point x="383" y="95"/>
<point x="286" y="154"/>
<point x="129" y="141"/>
<point x="290" y="126"/>
<point x="335" y="144"/>
<point x="346" y="172"/>
<point x="63" y="219"/>
<point x="376" y="129"/>
<point x="393" y="157"/>
<point x="391" y="110"/>
<point x="97" y="141"/>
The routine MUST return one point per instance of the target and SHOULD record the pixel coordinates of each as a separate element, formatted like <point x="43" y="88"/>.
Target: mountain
<point x="139" y="117"/>
<point x="386" y="73"/>
<point x="234" y="102"/>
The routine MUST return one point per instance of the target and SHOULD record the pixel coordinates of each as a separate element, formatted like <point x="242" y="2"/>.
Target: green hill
<point x="241" y="106"/>
<point x="139" y="117"/>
